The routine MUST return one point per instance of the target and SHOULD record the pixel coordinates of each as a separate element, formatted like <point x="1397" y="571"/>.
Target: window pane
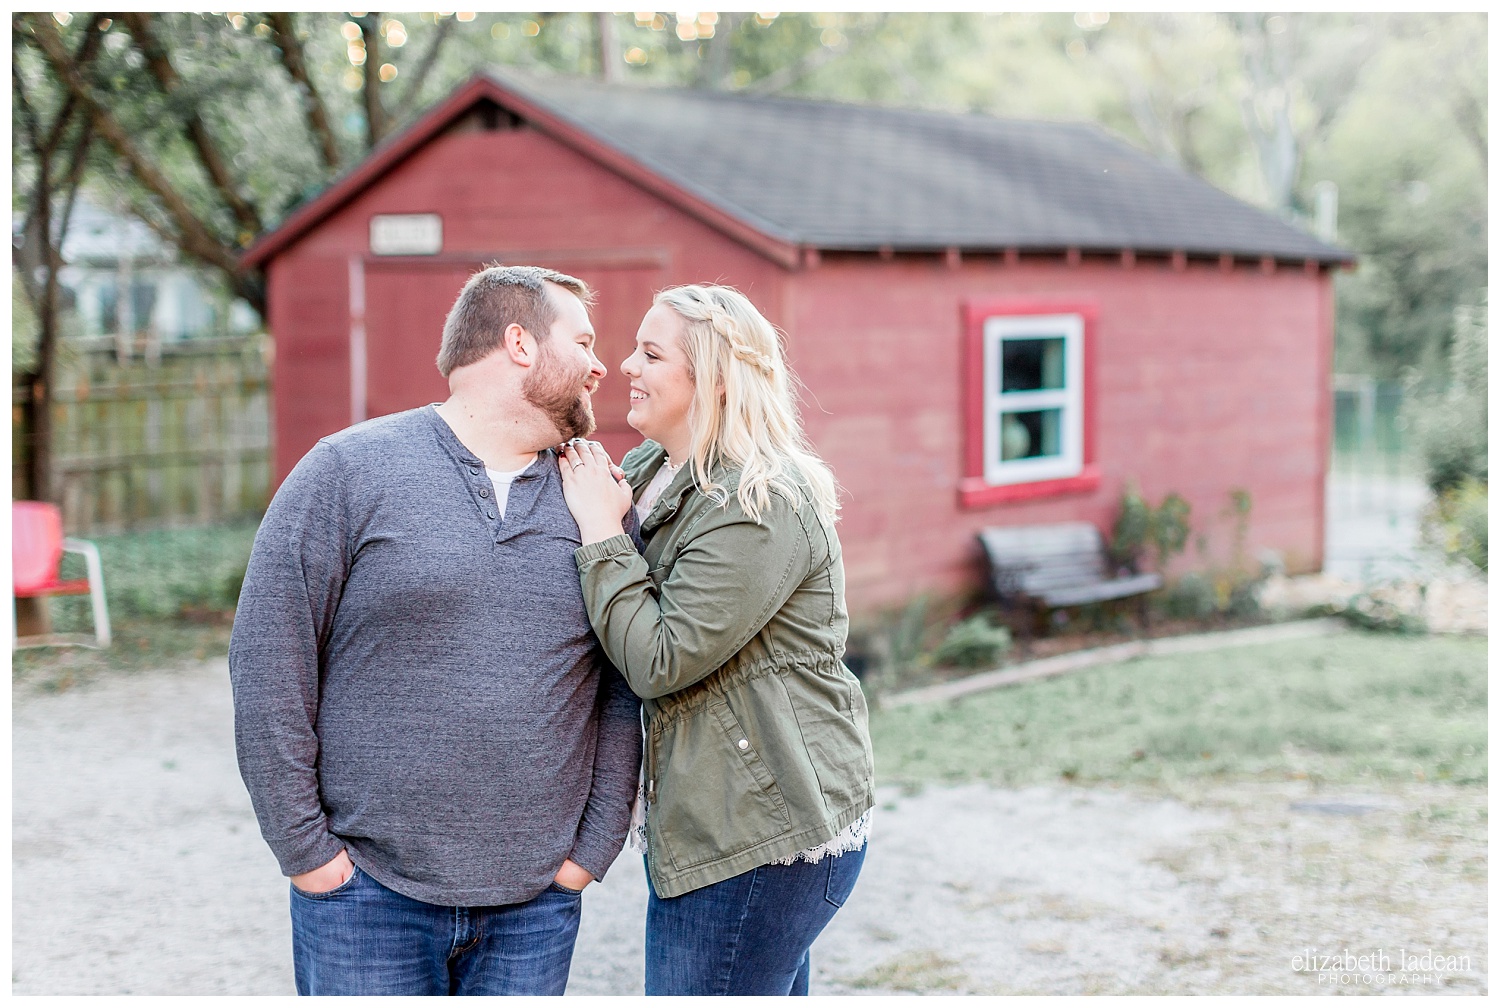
<point x="1031" y="364"/>
<point x="1031" y="434"/>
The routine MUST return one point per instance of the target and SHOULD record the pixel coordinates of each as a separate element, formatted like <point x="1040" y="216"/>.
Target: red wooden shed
<point x="997" y="322"/>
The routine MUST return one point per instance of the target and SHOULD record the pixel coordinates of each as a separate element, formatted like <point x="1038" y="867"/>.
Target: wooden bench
<point x="1050" y="567"/>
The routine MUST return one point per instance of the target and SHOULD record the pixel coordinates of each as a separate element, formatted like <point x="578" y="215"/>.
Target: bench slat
<point x="1104" y="592"/>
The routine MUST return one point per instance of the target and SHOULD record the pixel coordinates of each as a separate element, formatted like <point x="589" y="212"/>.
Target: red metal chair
<point x="37" y="546"/>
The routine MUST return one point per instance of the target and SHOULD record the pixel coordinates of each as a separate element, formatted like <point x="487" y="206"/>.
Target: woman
<point x="730" y="627"/>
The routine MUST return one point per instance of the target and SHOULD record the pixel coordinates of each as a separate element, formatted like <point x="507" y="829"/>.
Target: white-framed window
<point x="1033" y="398"/>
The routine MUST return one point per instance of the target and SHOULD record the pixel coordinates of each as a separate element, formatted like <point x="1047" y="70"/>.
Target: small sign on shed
<point x="406" y="234"/>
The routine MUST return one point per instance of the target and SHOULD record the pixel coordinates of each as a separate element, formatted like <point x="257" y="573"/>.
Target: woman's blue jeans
<point x="749" y="934"/>
<point x="363" y="938"/>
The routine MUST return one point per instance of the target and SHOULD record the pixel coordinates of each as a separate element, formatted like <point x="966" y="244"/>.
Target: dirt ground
<point x="138" y="869"/>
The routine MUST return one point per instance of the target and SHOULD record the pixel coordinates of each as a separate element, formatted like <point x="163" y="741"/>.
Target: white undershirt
<point x="502" y="482"/>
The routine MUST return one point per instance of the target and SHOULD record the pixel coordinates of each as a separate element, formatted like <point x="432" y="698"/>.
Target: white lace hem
<point x="850" y="838"/>
<point x="635" y="839"/>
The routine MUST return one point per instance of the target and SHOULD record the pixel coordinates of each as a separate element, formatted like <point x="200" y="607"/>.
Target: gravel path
<point x="138" y="869"/>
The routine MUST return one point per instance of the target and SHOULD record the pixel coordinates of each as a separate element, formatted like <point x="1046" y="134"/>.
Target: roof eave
<point x="1330" y="255"/>
<point x="343" y="190"/>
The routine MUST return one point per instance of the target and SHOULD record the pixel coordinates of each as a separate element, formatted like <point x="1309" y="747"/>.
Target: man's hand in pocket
<point x="329" y="877"/>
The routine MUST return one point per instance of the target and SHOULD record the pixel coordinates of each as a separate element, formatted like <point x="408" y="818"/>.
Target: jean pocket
<point x="332" y="892"/>
<point x="559" y="887"/>
<point x="843" y="872"/>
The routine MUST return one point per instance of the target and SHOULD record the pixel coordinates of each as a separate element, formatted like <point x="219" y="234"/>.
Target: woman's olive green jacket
<point x="731" y="631"/>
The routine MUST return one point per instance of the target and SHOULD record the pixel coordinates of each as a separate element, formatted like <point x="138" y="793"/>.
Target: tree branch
<point x="424" y="67"/>
<point x="249" y="286"/>
<point x="195" y="238"/>
<point x="29" y="119"/>
<point x="71" y="182"/>
<point x="284" y="33"/>
<point x="39" y="246"/>
<point x="375" y="118"/>
<point x="192" y="123"/>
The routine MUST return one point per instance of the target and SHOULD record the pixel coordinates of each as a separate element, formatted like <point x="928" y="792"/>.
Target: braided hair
<point x="744" y="413"/>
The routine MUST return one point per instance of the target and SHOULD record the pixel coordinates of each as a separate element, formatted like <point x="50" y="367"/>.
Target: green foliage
<point x="1170" y="528"/>
<point x="973" y="643"/>
<point x="1407" y="152"/>
<point x="1452" y="428"/>
<point x="163" y="575"/>
<point x="1341" y="710"/>
<point x="1458" y="523"/>
<point x="1165" y="528"/>
<point x="1192" y="596"/>
<point x="1132" y="529"/>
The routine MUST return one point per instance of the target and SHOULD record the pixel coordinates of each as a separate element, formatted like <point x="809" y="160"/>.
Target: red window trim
<point x="973" y="491"/>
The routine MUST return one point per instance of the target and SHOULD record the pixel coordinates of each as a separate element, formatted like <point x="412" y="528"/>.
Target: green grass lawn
<point x="1343" y="709"/>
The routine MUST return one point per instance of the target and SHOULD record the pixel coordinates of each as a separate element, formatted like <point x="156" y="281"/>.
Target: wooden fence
<point x="180" y="441"/>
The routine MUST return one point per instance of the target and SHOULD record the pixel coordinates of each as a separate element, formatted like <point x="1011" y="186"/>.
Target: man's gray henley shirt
<point x="415" y="678"/>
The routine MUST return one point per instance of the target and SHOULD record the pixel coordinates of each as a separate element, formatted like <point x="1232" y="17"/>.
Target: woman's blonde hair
<point x="743" y="411"/>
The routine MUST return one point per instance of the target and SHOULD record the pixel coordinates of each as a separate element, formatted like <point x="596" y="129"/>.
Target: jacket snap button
<point x="743" y="743"/>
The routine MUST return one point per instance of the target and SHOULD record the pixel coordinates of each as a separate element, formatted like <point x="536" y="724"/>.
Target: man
<point x="439" y="755"/>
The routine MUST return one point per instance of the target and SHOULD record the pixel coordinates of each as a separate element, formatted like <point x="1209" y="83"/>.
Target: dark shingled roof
<point x="835" y="175"/>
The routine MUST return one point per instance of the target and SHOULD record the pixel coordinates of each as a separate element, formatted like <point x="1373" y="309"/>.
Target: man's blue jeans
<point x="363" y="938"/>
<point x="749" y="934"/>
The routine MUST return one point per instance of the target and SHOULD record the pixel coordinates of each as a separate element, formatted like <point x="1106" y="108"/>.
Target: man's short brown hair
<point x="493" y="299"/>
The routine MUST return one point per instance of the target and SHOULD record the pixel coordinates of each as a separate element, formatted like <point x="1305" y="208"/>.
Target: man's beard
<point x="551" y="388"/>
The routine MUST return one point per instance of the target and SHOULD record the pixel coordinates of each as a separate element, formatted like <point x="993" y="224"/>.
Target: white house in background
<point x="166" y="301"/>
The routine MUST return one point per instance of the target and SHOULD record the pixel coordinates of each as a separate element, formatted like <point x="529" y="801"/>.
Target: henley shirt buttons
<point x="483" y="492"/>
<point x="743" y="743"/>
<point x="474" y="471"/>
<point x="489" y="514"/>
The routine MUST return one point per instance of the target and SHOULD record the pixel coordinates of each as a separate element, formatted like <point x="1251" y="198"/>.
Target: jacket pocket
<point x="838" y="743"/>
<point x="715" y="796"/>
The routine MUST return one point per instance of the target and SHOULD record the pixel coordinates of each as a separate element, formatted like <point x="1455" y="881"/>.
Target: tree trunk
<point x="375" y="124"/>
<point x="609" y="47"/>
<point x="39" y="397"/>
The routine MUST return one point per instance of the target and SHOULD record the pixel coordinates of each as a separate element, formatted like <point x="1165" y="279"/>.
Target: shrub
<point x="1170" y="528"/>
<point x="1132" y="530"/>
<point x="973" y="643"/>
<point x="1164" y="528"/>
<point x="1191" y="597"/>
<point x="1458" y="523"/>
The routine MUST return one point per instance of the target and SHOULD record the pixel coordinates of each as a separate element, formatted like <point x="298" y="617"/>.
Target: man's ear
<point x="519" y="345"/>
